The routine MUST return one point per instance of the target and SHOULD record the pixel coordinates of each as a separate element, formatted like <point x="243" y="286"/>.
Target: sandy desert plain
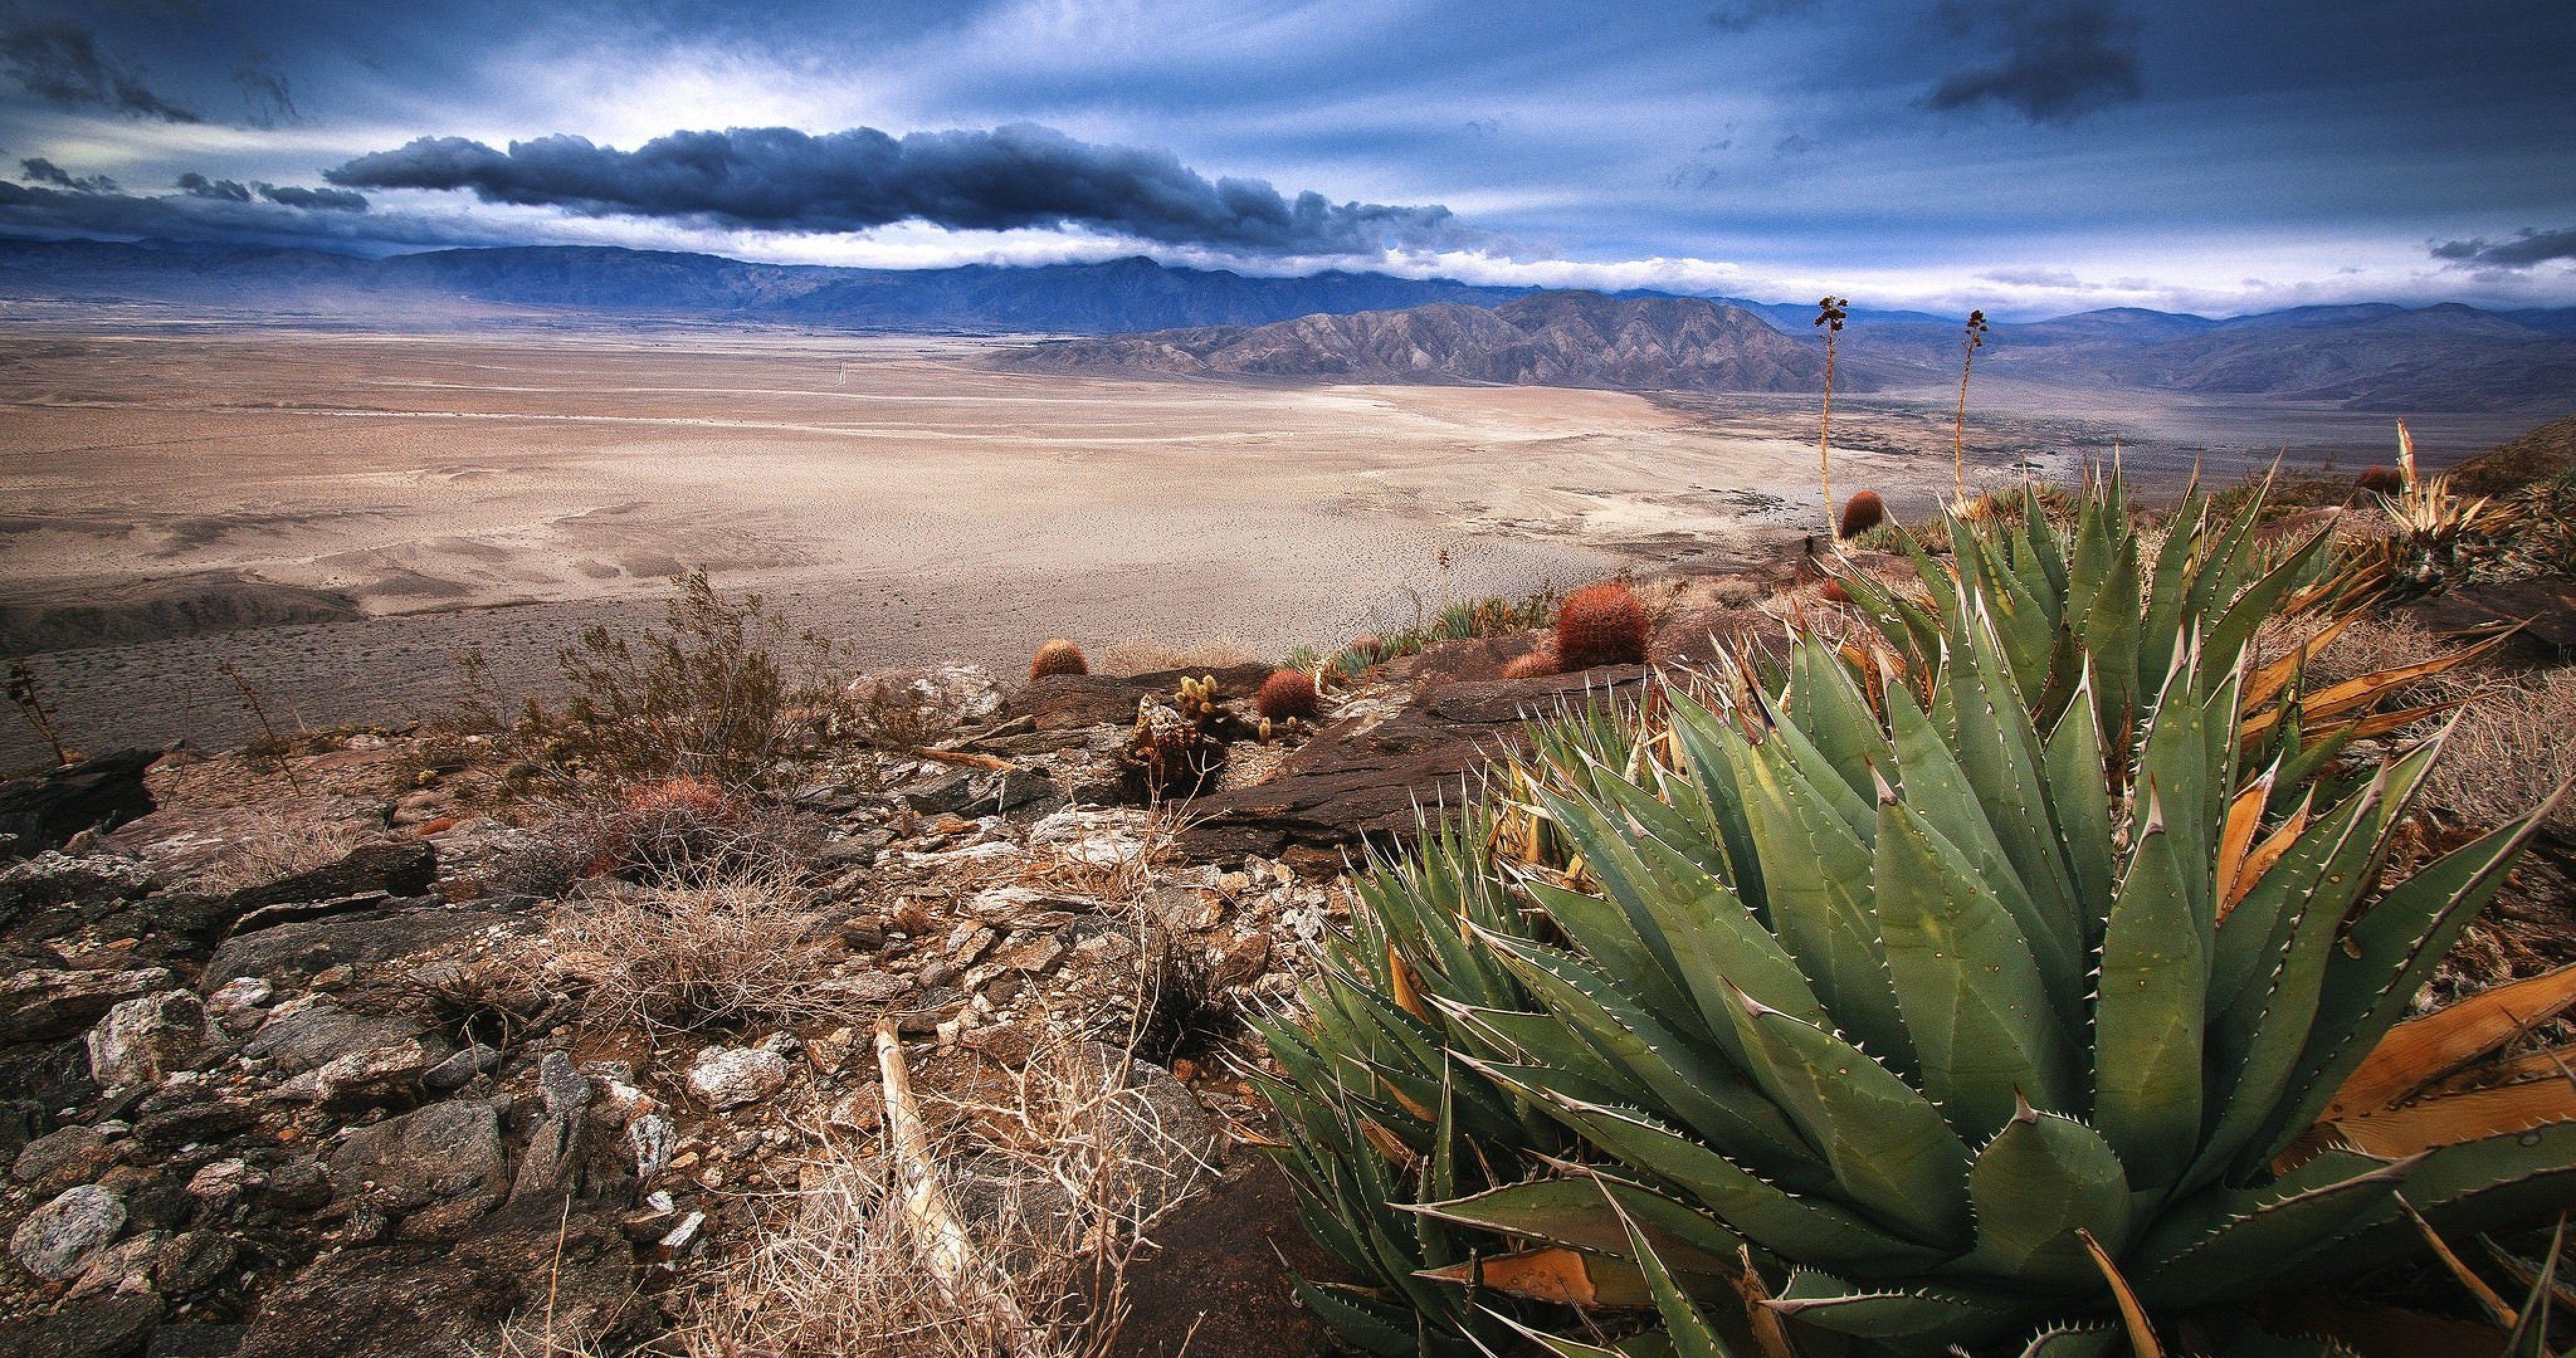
<point x="420" y="492"/>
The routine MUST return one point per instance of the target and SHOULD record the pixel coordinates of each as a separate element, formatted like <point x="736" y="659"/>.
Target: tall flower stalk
<point x="1973" y="340"/>
<point x="1829" y="315"/>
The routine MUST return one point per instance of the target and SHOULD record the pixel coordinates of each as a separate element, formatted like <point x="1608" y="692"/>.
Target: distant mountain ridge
<point x="1562" y="339"/>
<point x="1355" y="326"/>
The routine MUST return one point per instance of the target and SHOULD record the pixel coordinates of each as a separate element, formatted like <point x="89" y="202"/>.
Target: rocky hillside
<point x="1562" y="339"/>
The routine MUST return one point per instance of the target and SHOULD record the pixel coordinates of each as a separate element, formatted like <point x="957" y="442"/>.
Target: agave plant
<point x="1941" y="1010"/>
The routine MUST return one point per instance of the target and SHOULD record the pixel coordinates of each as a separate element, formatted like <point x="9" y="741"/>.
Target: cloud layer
<point x="2523" y="251"/>
<point x="2057" y="60"/>
<point x="60" y="62"/>
<point x="1022" y="175"/>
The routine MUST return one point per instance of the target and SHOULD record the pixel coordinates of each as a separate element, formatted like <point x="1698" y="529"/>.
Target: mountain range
<point x="1137" y="316"/>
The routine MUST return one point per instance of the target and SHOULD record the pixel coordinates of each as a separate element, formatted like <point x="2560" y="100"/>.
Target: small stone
<point x="729" y="1077"/>
<point x="685" y="1234"/>
<point x="192" y="1261"/>
<point x="57" y="1239"/>
<point x="240" y="1004"/>
<point x="459" y="1070"/>
<point x="565" y="1089"/>
<point x="650" y="1136"/>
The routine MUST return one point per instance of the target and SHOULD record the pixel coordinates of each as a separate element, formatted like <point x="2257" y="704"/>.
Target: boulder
<point x="309" y="1034"/>
<point x="311" y="946"/>
<point x="98" y="1327"/>
<point x="56" y="878"/>
<point x="452" y="1301"/>
<point x="445" y="1152"/>
<point x="41" y="812"/>
<point x="395" y="868"/>
<point x="64" y="1159"/>
<point x="56" y="1240"/>
<point x="143" y="1041"/>
<point x="2544" y="608"/>
<point x="1066" y="702"/>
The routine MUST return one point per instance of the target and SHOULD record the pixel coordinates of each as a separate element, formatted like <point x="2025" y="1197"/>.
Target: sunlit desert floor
<point x="506" y="489"/>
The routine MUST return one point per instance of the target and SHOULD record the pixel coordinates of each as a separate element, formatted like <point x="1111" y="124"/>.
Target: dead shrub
<point x="272" y="847"/>
<point x="2512" y="747"/>
<point x="1138" y="655"/>
<point x="689" y="957"/>
<point x="1058" y="1176"/>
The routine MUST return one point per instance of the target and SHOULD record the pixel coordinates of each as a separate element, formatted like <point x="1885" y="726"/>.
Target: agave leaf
<point x="1716" y="940"/>
<point x="1691" y="1334"/>
<point x="1887" y="1145"/>
<point x="1814" y="870"/>
<point x="2489" y="1185"/>
<point x="1915" y="1318"/>
<point x="2418" y="1052"/>
<point x="1787" y="1225"/>
<point x="1578" y="1213"/>
<point x="2042" y="1179"/>
<point x="1938" y="789"/>
<point x="1999" y="748"/>
<point x="2271" y="678"/>
<point x="1835" y="718"/>
<point x="1715" y="1102"/>
<point x="2189" y="1259"/>
<point x="2081" y="797"/>
<point x="2392" y="952"/>
<point x="2072" y="1343"/>
<point x="2149" y="1022"/>
<point x="1562" y="1277"/>
<point x="1984" y="1029"/>
<point x="2450" y="1119"/>
<point x="1365" y="1322"/>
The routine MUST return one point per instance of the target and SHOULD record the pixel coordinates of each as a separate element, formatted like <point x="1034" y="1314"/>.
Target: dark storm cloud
<point x="2522" y="252"/>
<point x="38" y="170"/>
<point x="59" y="62"/>
<point x="234" y="191"/>
<point x="1739" y="15"/>
<point x="1023" y="175"/>
<point x="2053" y="60"/>
<point x="212" y="211"/>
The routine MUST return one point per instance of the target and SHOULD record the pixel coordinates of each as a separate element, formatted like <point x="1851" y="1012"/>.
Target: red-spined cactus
<point x="1286" y="694"/>
<point x="1862" y="513"/>
<point x="1533" y="665"/>
<point x="1058" y="656"/>
<point x="2380" y="480"/>
<point x="1600" y="625"/>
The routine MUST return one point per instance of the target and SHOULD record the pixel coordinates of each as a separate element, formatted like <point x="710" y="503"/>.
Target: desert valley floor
<point x="506" y="488"/>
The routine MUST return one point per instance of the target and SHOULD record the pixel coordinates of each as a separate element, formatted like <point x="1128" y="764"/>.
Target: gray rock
<point x="397" y="868"/>
<point x="144" y="1041"/>
<point x="196" y="1339"/>
<point x="41" y="812"/>
<point x="100" y="1327"/>
<point x="192" y="1261"/>
<point x="39" y="1005"/>
<point x="944" y="792"/>
<point x="378" y="1075"/>
<point x="446" y="1151"/>
<point x="308" y="947"/>
<point x="729" y="1077"/>
<point x="308" y="1034"/>
<point x="240" y="1005"/>
<point x="54" y="878"/>
<point x="57" y="1239"/>
<point x="459" y="1070"/>
<point x="566" y="1090"/>
<point x="74" y="1155"/>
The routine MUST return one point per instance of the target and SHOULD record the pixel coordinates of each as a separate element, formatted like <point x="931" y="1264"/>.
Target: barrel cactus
<point x="1601" y="624"/>
<point x="1286" y="695"/>
<point x="1058" y="656"/>
<point x="1861" y="513"/>
<point x="1867" y="997"/>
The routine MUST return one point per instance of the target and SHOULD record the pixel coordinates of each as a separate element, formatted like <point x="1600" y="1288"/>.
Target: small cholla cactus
<point x="2380" y="480"/>
<point x="1861" y="513"/>
<point x="1600" y="625"/>
<point x="1285" y="695"/>
<point x="1058" y="656"/>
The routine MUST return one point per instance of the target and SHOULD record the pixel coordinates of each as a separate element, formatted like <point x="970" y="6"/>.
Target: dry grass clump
<point x="689" y="957"/>
<point x="1057" y="1177"/>
<point x="271" y="847"/>
<point x="1137" y="655"/>
<point x="2513" y="747"/>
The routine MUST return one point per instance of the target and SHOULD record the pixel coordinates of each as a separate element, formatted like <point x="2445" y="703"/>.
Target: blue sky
<point x="2028" y="156"/>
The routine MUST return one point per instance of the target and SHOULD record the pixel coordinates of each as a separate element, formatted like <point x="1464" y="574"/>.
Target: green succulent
<point x="1950" y="1009"/>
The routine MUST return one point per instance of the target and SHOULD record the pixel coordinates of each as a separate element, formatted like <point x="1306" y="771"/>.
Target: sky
<point x="2030" y="157"/>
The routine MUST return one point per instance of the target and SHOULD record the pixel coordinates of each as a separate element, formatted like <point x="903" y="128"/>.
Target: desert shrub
<point x="1861" y="513"/>
<point x="1286" y="694"/>
<point x="1601" y="624"/>
<point x="708" y="696"/>
<point x="1058" y="656"/>
<point x="724" y="952"/>
<point x="1139" y="655"/>
<point x="271" y="846"/>
<point x="1058" y="1177"/>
